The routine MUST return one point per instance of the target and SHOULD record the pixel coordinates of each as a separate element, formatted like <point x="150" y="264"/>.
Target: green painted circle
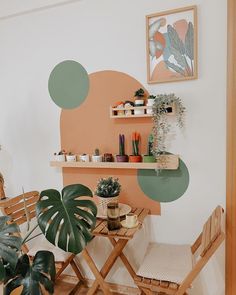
<point x="166" y="185"/>
<point x="68" y="84"/>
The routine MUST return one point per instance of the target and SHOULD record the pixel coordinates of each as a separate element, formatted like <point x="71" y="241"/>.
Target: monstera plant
<point x="66" y="219"/>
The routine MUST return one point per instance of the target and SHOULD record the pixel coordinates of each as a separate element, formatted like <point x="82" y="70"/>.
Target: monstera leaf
<point x="66" y="219"/>
<point x="9" y="245"/>
<point x="34" y="278"/>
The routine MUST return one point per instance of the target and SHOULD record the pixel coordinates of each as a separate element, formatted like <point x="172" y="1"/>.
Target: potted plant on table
<point x="107" y="190"/>
<point x="139" y="101"/>
<point x="96" y="157"/>
<point x="135" y="157"/>
<point x="122" y="157"/>
<point x="149" y="158"/>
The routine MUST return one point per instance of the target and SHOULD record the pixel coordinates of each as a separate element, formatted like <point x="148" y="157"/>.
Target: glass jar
<point x="113" y="216"/>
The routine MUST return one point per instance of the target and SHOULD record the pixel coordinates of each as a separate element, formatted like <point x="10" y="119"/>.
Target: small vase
<point x="60" y="158"/>
<point x="139" y="103"/>
<point x="122" y="158"/>
<point x="104" y="201"/>
<point x="84" y="158"/>
<point x="108" y="157"/>
<point x="149" y="159"/>
<point x="135" y="159"/>
<point x="71" y="158"/>
<point x="150" y="104"/>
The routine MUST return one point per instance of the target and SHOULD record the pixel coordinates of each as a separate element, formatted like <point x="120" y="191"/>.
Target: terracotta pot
<point x="122" y="158"/>
<point x="135" y="159"/>
<point x="149" y="159"/>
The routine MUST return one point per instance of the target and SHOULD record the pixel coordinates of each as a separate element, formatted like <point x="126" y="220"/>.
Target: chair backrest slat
<point x="18" y="207"/>
<point x="211" y="230"/>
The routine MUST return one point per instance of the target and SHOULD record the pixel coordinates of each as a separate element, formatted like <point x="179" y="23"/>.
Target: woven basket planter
<point x="104" y="201"/>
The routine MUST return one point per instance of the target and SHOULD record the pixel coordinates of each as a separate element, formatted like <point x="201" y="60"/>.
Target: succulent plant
<point x="108" y="187"/>
<point x="135" y="143"/>
<point x="96" y="152"/>
<point x="150" y="144"/>
<point x="139" y="92"/>
<point x="121" y="144"/>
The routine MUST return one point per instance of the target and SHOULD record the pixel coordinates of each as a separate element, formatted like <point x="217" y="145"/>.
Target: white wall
<point x="109" y="34"/>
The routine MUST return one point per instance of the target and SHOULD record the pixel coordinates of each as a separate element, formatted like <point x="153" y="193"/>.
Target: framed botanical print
<point x="172" y="45"/>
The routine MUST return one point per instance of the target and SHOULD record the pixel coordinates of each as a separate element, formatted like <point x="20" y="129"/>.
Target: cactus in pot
<point x="149" y="158"/>
<point x="122" y="157"/>
<point x="96" y="157"/>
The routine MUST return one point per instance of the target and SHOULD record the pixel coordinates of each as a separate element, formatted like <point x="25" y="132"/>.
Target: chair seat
<point x="42" y="243"/>
<point x="165" y="262"/>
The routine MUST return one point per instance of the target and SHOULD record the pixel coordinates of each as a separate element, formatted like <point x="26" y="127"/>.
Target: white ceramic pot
<point x="84" y="158"/>
<point x="60" y="158"/>
<point x="71" y="158"/>
<point x="96" y="159"/>
<point x="150" y="103"/>
<point x="139" y="102"/>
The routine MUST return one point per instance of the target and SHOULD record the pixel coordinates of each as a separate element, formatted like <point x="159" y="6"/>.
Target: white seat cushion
<point x="166" y="262"/>
<point x="42" y="243"/>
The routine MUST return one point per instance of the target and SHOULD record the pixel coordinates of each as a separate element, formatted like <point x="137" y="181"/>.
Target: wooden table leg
<point x="99" y="278"/>
<point x="117" y="250"/>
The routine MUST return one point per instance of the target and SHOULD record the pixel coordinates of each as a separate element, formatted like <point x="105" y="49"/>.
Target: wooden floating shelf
<point x="171" y="165"/>
<point x="125" y="113"/>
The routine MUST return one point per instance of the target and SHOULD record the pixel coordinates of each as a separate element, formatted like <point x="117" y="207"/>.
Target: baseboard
<point x="113" y="287"/>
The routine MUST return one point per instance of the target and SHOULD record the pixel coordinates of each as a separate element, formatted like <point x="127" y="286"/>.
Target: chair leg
<point x="64" y="266"/>
<point x="77" y="271"/>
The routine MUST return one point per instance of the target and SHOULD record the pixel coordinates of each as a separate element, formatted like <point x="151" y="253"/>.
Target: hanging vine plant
<point x="164" y="104"/>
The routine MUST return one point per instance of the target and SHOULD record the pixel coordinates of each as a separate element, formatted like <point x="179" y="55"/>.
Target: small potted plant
<point x="119" y="105"/>
<point x="96" y="157"/>
<point x="122" y="157"/>
<point x="84" y="158"/>
<point x="70" y="157"/>
<point x="150" y="103"/>
<point x="128" y="104"/>
<point x="135" y="157"/>
<point x="2" y="192"/>
<point x="139" y="101"/>
<point x="61" y="156"/>
<point x="107" y="190"/>
<point x="149" y="158"/>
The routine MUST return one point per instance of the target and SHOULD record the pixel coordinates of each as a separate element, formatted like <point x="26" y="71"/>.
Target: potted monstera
<point x="79" y="219"/>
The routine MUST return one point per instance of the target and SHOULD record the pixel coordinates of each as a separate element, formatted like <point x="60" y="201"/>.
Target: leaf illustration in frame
<point x="175" y="41"/>
<point x="175" y="67"/>
<point x="189" y="41"/>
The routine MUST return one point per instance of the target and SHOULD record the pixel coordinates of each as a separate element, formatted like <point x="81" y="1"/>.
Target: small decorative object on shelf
<point x="2" y="192"/>
<point x="122" y="157"/>
<point x="149" y="158"/>
<point x="129" y="104"/>
<point x="61" y="156"/>
<point x="108" y="190"/>
<point x="113" y="216"/>
<point x="84" y="158"/>
<point x="163" y="105"/>
<point x="108" y="157"/>
<point x="96" y="157"/>
<point x="135" y="157"/>
<point x="139" y="101"/>
<point x="70" y="157"/>
<point x="150" y="103"/>
<point x="119" y="105"/>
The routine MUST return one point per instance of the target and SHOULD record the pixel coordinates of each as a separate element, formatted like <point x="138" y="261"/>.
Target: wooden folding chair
<point x="22" y="207"/>
<point x="201" y="251"/>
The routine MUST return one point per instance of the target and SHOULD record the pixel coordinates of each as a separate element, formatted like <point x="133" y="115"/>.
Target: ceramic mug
<point x="131" y="219"/>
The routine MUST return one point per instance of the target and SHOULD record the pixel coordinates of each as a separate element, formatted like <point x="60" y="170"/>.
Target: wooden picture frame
<point x="171" y="45"/>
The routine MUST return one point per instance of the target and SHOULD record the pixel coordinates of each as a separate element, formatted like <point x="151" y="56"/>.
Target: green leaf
<point x="175" y="67"/>
<point x="178" y="57"/>
<point x="175" y="41"/>
<point x="189" y="41"/>
<point x="2" y="272"/>
<point x="65" y="219"/>
<point x="9" y="243"/>
<point x="33" y="277"/>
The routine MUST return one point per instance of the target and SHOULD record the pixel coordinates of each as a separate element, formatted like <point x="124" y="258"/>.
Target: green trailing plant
<point x="108" y="187"/>
<point x="66" y="219"/>
<point x="121" y="144"/>
<point x="139" y="93"/>
<point x="96" y="152"/>
<point x="162" y="126"/>
<point x="135" y="143"/>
